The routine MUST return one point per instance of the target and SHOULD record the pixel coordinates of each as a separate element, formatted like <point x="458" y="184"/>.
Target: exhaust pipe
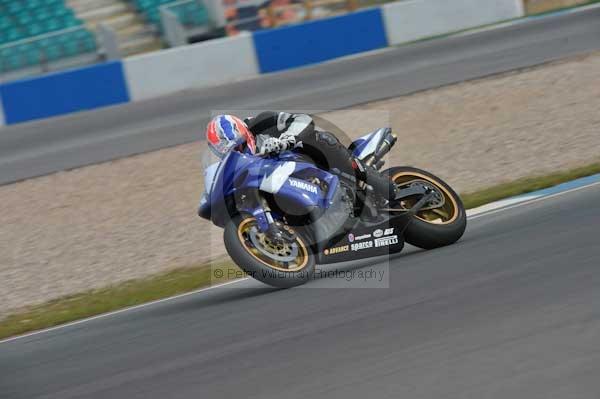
<point x="388" y="141"/>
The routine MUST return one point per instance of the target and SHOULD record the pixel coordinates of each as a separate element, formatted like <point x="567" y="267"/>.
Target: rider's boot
<point x="383" y="187"/>
<point x="340" y="158"/>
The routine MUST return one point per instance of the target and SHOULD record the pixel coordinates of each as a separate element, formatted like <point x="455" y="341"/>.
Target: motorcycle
<point x="322" y="217"/>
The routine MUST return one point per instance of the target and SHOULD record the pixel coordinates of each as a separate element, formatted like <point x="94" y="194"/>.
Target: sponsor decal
<point x="277" y="178"/>
<point x="386" y="241"/>
<point x="362" y="245"/>
<point x="352" y="237"/>
<point x="380" y="233"/>
<point x="302" y="185"/>
<point x="336" y="250"/>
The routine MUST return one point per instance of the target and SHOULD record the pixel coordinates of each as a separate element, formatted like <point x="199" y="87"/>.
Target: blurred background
<point x="103" y="107"/>
<point x="37" y="36"/>
<point x="150" y="73"/>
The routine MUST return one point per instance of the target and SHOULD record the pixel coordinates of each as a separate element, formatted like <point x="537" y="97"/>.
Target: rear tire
<point x="423" y="231"/>
<point x="258" y="266"/>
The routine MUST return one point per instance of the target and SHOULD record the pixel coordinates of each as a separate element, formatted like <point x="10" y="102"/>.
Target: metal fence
<point x="182" y="20"/>
<point x="187" y="18"/>
<point x="40" y="53"/>
<point x="190" y="13"/>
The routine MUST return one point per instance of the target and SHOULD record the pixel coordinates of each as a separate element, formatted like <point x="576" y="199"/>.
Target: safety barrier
<point x="320" y="40"/>
<point x="64" y="92"/>
<point x="407" y="21"/>
<point x="192" y="66"/>
<point x="2" y="119"/>
<point x="246" y="55"/>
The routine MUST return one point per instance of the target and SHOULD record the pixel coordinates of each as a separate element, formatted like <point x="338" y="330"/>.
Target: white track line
<point x="475" y="215"/>
<point x="100" y="316"/>
<point x="486" y="212"/>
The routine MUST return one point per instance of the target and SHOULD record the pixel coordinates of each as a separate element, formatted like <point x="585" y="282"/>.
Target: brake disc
<point x="287" y="253"/>
<point x="438" y="199"/>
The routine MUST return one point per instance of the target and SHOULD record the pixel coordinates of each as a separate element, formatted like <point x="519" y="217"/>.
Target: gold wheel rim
<point x="300" y="261"/>
<point x="446" y="214"/>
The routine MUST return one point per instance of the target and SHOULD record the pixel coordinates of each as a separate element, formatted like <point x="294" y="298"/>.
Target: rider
<point x="273" y="132"/>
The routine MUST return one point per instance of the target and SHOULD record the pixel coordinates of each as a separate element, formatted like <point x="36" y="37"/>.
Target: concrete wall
<point x="246" y="55"/>
<point x="410" y="20"/>
<point x="320" y="40"/>
<point x="198" y="65"/>
<point x="2" y="121"/>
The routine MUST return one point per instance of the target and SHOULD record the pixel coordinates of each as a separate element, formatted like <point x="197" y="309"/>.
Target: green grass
<point x="122" y="295"/>
<point x="544" y="10"/>
<point x="178" y="281"/>
<point x="526" y="185"/>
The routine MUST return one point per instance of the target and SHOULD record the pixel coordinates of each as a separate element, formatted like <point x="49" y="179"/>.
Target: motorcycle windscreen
<point x="210" y="164"/>
<point x="366" y="146"/>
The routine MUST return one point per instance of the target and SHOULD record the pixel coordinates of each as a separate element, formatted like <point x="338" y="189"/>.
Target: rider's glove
<point x="274" y="145"/>
<point x="288" y="140"/>
<point x="270" y="145"/>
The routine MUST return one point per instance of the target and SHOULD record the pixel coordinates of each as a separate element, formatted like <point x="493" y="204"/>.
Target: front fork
<point x="257" y="206"/>
<point x="264" y="219"/>
<point x="253" y="203"/>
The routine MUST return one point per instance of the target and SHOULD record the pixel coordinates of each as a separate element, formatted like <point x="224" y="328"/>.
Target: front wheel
<point x="435" y="226"/>
<point x="284" y="265"/>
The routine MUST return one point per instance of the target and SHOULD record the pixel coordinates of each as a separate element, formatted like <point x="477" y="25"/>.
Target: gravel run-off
<point x="103" y="224"/>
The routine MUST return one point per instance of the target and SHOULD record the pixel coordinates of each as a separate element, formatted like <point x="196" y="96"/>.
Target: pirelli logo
<point x="386" y="241"/>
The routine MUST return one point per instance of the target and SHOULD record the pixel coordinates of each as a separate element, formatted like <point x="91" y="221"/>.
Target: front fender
<point x="204" y="209"/>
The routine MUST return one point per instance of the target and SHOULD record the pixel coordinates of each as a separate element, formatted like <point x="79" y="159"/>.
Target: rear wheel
<point x="280" y="264"/>
<point x="441" y="223"/>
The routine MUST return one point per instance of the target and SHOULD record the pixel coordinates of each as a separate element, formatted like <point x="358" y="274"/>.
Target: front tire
<point x="253" y="254"/>
<point x="432" y="228"/>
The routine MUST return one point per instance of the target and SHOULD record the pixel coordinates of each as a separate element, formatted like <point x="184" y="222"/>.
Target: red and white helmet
<point x="227" y="132"/>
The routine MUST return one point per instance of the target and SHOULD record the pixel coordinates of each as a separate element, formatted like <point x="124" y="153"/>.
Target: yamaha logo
<point x="302" y="185"/>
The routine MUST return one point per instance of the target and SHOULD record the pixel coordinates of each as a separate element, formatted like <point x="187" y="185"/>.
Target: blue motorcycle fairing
<point x="367" y="144"/>
<point x="285" y="176"/>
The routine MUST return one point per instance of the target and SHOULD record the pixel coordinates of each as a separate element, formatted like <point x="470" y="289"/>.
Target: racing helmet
<point x="227" y="132"/>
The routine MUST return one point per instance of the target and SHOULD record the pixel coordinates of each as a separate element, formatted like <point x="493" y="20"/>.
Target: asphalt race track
<point x="39" y="148"/>
<point x="511" y="311"/>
